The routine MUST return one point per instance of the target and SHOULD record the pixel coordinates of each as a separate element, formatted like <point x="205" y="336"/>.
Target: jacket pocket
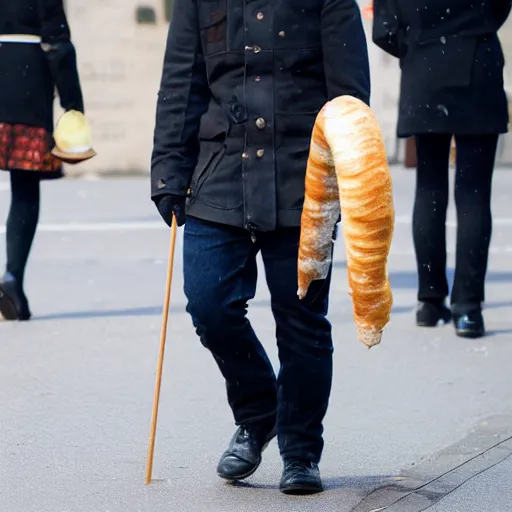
<point x="209" y="157"/>
<point x="219" y="180"/>
<point x="213" y="24"/>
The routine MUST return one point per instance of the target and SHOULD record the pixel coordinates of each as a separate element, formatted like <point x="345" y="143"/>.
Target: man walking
<point x="242" y="83"/>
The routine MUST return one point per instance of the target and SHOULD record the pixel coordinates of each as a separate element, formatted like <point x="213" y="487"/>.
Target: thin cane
<point x="163" y="336"/>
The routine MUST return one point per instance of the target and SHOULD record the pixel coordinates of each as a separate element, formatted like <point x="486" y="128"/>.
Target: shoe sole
<point x="439" y="323"/>
<point x="249" y="473"/>
<point x="301" y="490"/>
<point x="240" y="477"/>
<point x="469" y="334"/>
<point x="7" y="307"/>
<point x="426" y="324"/>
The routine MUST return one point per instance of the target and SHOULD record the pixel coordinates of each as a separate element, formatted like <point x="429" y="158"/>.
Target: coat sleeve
<point x="386" y="30"/>
<point x="345" y="50"/>
<point x="501" y="10"/>
<point x="60" y="53"/>
<point x="183" y="98"/>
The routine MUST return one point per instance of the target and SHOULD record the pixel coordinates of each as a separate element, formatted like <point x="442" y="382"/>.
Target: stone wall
<point x="120" y="62"/>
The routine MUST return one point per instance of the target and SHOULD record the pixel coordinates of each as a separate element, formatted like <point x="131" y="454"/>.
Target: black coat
<point x="28" y="74"/>
<point x="451" y="61"/>
<point x="242" y="83"/>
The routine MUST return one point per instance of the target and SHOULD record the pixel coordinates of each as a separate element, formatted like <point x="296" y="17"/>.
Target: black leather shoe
<point x="13" y="303"/>
<point x="469" y="325"/>
<point x="432" y="314"/>
<point x="301" y="477"/>
<point x="243" y="456"/>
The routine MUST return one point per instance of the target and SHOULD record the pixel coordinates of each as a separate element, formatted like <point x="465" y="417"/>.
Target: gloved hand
<point x="168" y="205"/>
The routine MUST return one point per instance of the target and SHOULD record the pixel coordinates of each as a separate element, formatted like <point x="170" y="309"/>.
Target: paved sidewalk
<point x="491" y="490"/>
<point x="76" y="383"/>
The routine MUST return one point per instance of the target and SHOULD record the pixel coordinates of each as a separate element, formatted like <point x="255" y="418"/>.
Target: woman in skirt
<point x="452" y="86"/>
<point x="36" y="57"/>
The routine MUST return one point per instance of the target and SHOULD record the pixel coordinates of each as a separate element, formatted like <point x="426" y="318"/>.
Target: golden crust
<point x="348" y="172"/>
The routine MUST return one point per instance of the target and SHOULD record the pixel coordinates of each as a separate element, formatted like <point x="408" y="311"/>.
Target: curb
<point x="421" y="486"/>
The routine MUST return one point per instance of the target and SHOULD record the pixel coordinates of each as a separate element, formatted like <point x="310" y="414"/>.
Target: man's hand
<point x="169" y="205"/>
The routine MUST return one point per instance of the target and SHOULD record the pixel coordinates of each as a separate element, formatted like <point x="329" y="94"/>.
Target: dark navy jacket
<point x="451" y="61"/>
<point x="242" y="83"/>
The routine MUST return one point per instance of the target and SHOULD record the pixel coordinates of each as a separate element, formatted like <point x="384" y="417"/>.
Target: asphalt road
<point x="76" y="383"/>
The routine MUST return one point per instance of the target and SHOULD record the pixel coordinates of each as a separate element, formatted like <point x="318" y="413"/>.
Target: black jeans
<point x="220" y="278"/>
<point x="473" y="183"/>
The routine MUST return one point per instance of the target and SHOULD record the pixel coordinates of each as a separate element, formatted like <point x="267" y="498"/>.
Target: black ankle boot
<point x="432" y="314"/>
<point x="300" y="477"/>
<point x="243" y="456"/>
<point x="13" y="302"/>
<point x="469" y="325"/>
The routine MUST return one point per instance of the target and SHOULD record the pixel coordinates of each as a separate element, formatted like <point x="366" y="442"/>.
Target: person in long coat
<point x="452" y="64"/>
<point x="240" y="91"/>
<point x="36" y="57"/>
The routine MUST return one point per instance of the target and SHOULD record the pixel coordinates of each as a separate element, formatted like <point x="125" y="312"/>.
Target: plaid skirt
<point x="27" y="148"/>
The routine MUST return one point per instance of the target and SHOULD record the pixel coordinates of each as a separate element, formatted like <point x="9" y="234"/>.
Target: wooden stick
<point x="163" y="336"/>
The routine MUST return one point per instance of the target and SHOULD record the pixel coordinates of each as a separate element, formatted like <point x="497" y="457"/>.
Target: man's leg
<point x="429" y="227"/>
<point x="305" y="351"/>
<point x="220" y="277"/>
<point x="473" y="187"/>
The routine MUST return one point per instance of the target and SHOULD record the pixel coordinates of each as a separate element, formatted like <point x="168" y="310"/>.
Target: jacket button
<point x="260" y="16"/>
<point x="257" y="79"/>
<point x="282" y="33"/>
<point x="160" y="184"/>
<point x="261" y="123"/>
<point x="260" y="153"/>
<point x="245" y="156"/>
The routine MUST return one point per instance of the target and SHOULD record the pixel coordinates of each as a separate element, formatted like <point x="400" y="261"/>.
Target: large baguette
<point x="348" y="173"/>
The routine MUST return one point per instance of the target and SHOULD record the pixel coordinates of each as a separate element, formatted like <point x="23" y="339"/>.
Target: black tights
<point x="473" y="183"/>
<point x="22" y="221"/>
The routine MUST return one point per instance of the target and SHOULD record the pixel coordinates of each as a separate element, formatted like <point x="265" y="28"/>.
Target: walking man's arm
<point x="386" y="31"/>
<point x="345" y="50"/>
<point x="183" y="98"/>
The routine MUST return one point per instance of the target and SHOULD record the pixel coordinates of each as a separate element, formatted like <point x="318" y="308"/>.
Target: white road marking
<point x="158" y="225"/>
<point x="496" y="249"/>
<point x="80" y="227"/>
<point x="451" y="221"/>
<point x="66" y="227"/>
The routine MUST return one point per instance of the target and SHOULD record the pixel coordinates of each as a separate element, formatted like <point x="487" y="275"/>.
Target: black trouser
<point x="473" y="182"/>
<point x="220" y="278"/>
<point x="22" y="221"/>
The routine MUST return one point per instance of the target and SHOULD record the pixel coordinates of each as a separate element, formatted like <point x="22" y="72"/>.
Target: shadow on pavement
<point x="498" y="332"/>
<point x="362" y="484"/>
<point x="127" y="312"/>
<point x="409" y="279"/>
<point x="155" y="311"/>
<point x="406" y="280"/>
<point x="105" y="313"/>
